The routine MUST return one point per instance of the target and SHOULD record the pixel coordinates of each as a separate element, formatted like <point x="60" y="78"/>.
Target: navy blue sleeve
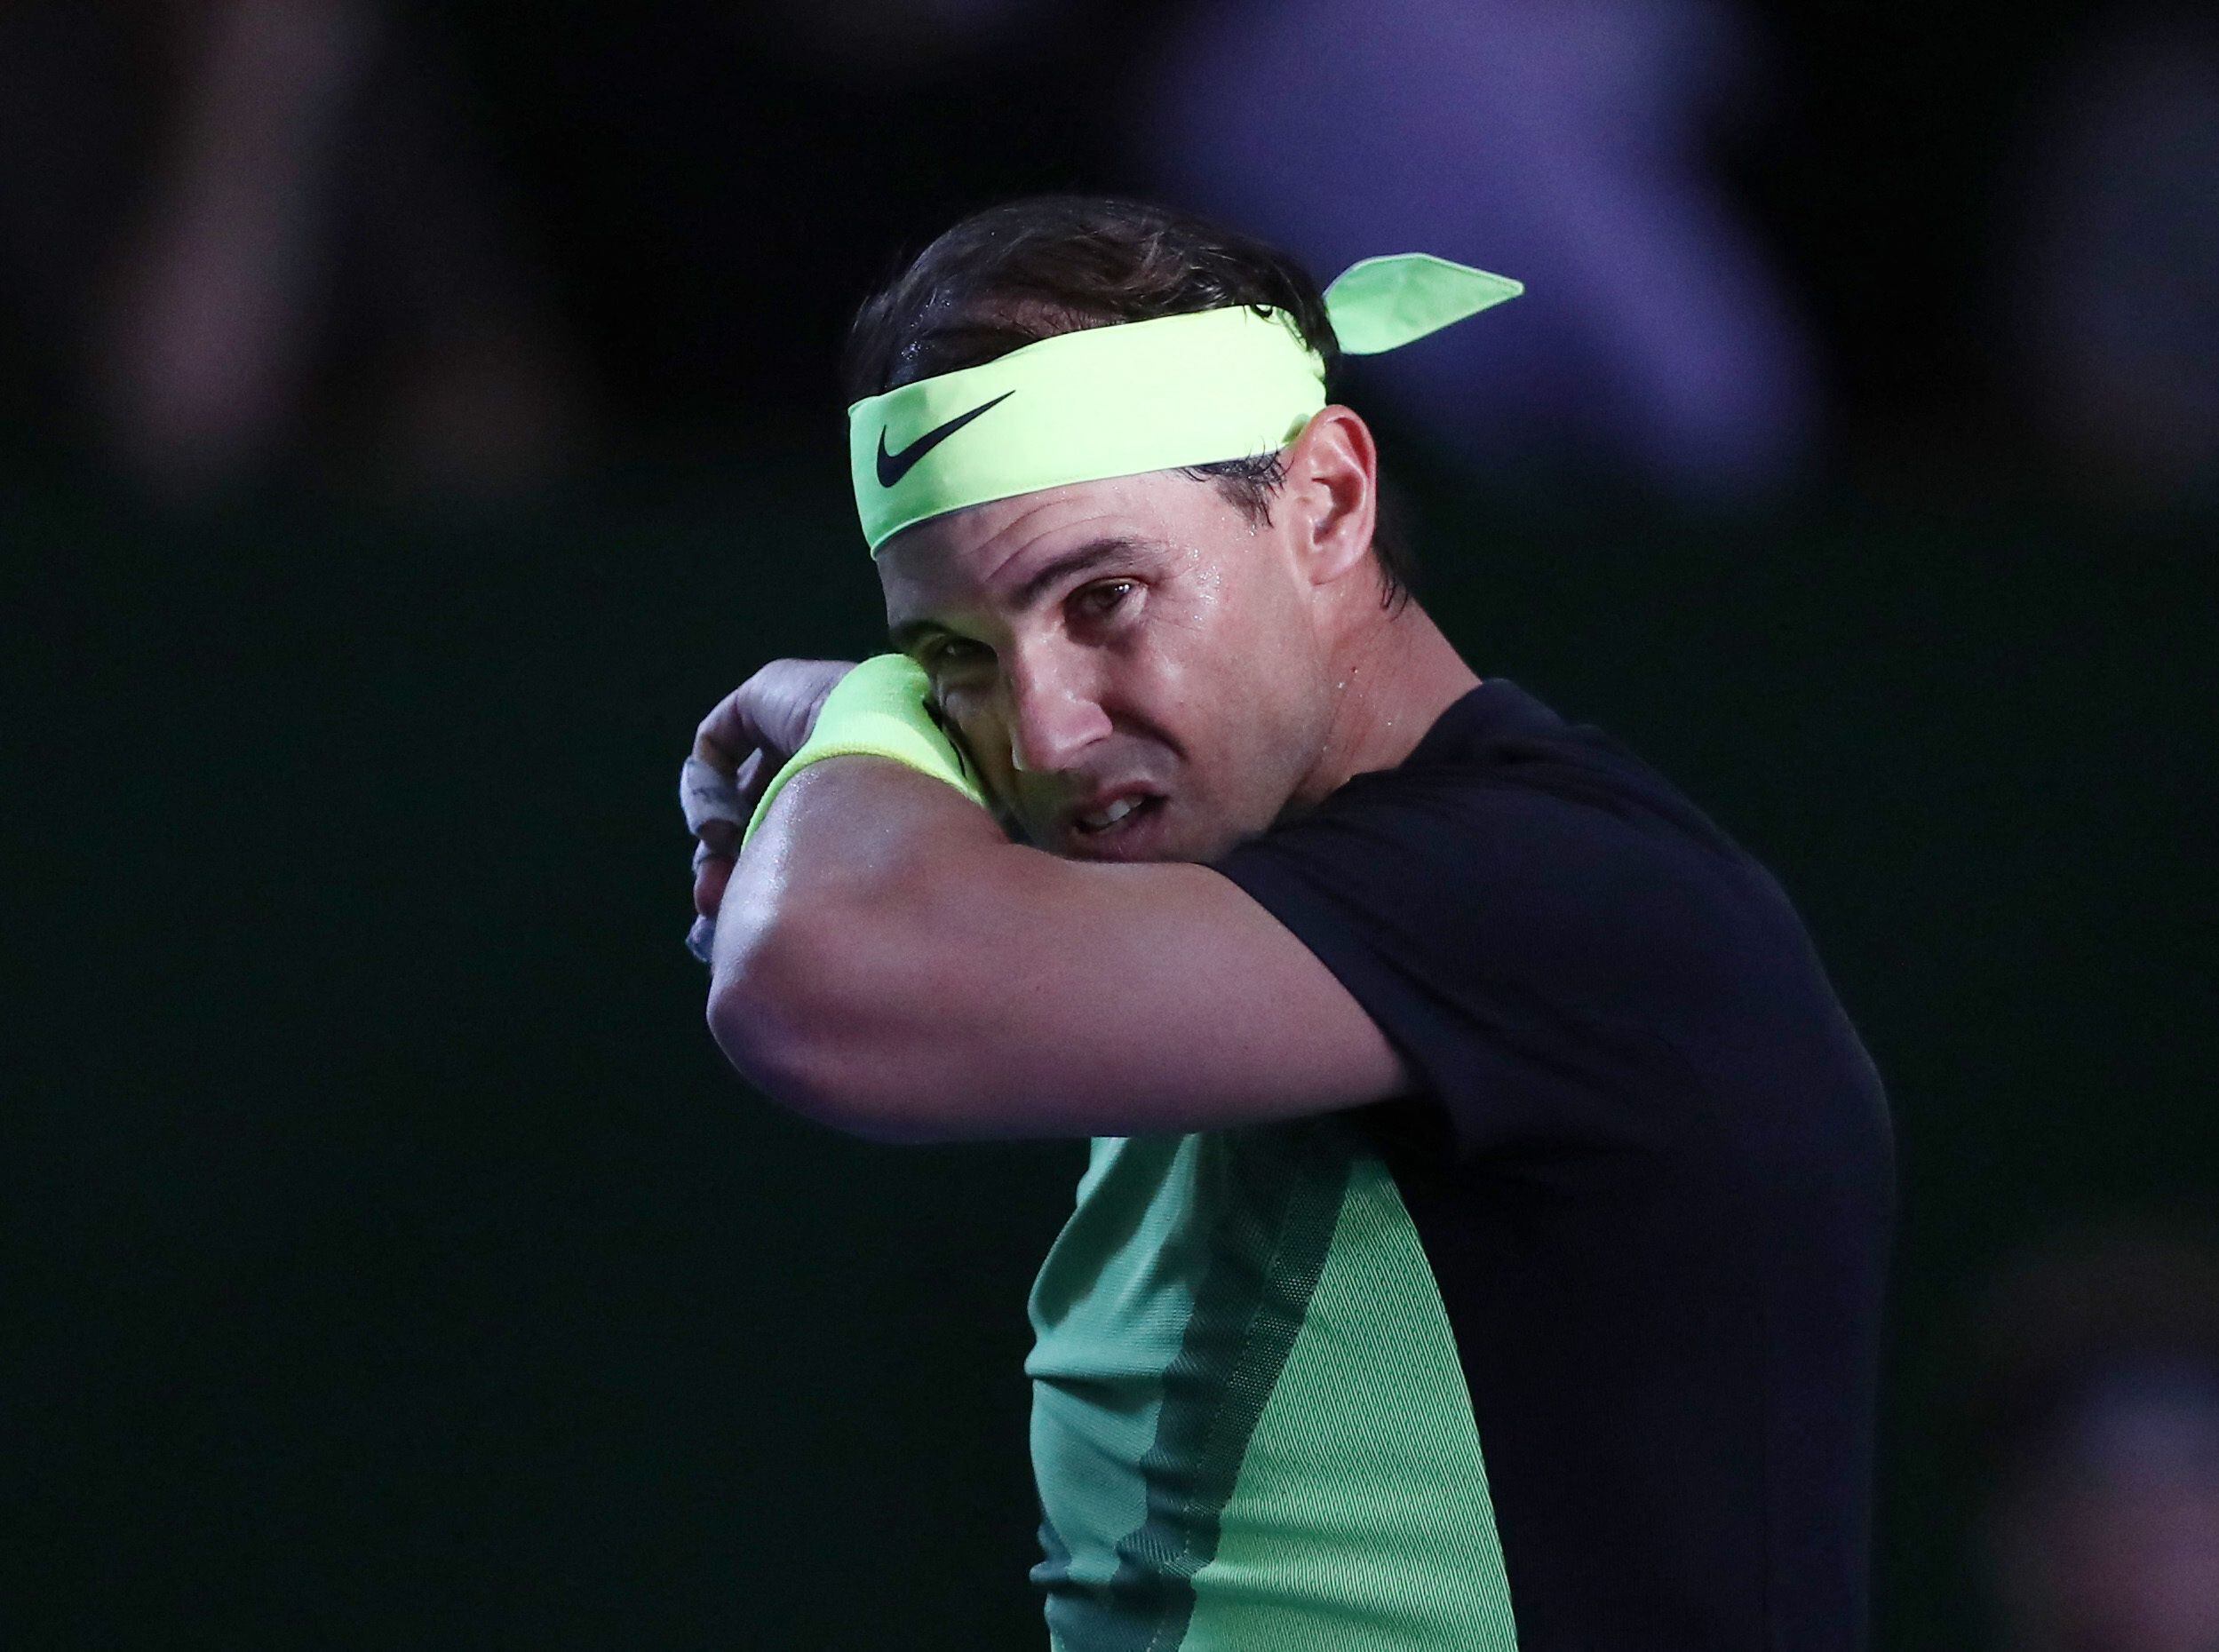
<point x="1541" y="957"/>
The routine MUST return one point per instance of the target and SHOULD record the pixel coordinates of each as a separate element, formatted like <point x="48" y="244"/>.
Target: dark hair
<point x="1029" y="269"/>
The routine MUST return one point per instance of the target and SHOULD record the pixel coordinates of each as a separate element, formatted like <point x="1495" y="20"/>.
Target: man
<point x="1482" y="1235"/>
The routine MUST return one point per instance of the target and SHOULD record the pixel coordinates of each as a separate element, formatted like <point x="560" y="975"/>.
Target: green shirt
<point x="1250" y="1428"/>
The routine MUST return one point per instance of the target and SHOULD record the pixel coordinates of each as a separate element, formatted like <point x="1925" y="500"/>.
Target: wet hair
<point x="1033" y="268"/>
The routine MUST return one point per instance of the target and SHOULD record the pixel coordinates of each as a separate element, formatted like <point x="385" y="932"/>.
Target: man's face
<point x="1125" y="644"/>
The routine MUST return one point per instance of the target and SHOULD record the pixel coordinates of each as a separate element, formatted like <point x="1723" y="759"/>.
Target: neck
<point x="1392" y="680"/>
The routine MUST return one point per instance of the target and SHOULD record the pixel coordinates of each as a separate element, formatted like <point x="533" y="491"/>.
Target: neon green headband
<point x="1136" y="396"/>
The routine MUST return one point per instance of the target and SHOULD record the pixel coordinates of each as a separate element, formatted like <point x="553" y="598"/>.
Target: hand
<point x="746" y="740"/>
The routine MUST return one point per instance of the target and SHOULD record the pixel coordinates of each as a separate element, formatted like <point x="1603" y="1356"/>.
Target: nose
<point x="1054" y="715"/>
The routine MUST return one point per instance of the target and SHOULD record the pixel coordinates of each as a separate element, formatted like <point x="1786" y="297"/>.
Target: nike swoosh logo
<point x="893" y="466"/>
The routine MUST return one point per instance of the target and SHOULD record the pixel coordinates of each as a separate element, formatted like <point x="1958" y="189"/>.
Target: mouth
<point x="1123" y="822"/>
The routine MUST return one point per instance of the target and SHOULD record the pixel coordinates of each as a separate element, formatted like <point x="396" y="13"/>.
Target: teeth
<point x="1111" y="815"/>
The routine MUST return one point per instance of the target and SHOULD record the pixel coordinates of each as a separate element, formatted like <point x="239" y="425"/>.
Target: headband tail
<point x="1382" y="302"/>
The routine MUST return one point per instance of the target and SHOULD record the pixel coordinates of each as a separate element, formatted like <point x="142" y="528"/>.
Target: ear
<point x="1331" y="493"/>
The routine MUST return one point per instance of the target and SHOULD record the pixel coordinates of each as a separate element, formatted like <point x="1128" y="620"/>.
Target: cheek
<point x="1216" y="637"/>
<point x="1236" y="676"/>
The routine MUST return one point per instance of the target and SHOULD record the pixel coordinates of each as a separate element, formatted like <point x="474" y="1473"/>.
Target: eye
<point x="1098" y="600"/>
<point x="952" y="651"/>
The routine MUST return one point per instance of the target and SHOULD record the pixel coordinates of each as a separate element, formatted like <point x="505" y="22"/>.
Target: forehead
<point x="1006" y="552"/>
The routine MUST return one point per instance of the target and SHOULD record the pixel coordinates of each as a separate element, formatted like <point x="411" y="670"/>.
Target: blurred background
<point x="416" y="417"/>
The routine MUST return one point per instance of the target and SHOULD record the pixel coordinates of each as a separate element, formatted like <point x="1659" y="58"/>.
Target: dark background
<point x="396" y="1260"/>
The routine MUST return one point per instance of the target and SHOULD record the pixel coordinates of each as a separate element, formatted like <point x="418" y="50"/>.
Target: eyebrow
<point x="1093" y="553"/>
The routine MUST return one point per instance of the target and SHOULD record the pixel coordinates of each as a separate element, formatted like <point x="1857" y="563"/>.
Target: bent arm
<point x="888" y="963"/>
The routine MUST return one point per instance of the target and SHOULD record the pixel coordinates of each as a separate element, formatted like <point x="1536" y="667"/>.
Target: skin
<point x="897" y="963"/>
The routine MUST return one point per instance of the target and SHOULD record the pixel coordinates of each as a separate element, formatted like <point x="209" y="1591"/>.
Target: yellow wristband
<point x="878" y="710"/>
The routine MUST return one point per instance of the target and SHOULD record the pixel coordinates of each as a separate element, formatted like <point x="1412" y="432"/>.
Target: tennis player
<point x="1483" y="1237"/>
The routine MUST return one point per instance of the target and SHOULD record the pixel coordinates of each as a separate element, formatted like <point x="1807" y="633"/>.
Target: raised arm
<point x="889" y="964"/>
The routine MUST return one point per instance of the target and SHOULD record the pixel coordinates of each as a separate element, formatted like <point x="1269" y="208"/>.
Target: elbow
<point x="780" y="1016"/>
<point x="764" y="1018"/>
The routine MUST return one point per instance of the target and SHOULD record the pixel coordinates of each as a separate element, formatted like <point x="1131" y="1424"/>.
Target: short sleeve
<point x="1538" y="959"/>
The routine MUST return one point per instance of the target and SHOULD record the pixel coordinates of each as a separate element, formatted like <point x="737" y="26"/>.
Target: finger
<point x="700" y="940"/>
<point x="706" y="794"/>
<point x="752" y="779"/>
<point x="710" y="878"/>
<point x="730" y="731"/>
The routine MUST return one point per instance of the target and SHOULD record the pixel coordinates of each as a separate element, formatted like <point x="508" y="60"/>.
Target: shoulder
<point x="1517" y="847"/>
<point x="1503" y="787"/>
